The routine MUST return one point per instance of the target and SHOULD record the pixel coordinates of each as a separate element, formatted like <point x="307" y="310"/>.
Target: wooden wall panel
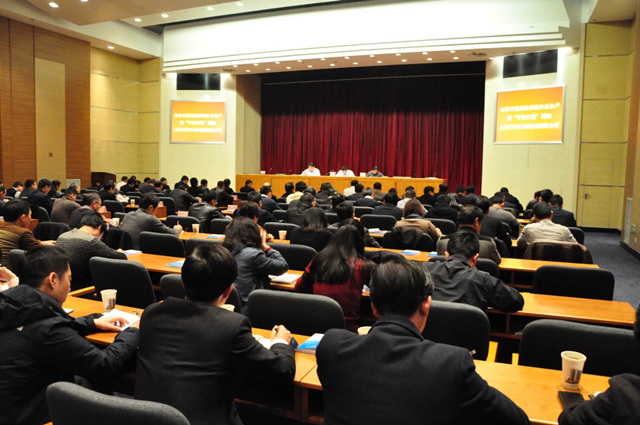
<point x="609" y="38"/>
<point x="75" y="55"/>
<point x="23" y="143"/>
<point x="6" y="155"/>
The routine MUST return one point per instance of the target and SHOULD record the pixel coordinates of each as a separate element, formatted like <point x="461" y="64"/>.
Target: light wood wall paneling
<point x="6" y="153"/>
<point x="609" y="38"/>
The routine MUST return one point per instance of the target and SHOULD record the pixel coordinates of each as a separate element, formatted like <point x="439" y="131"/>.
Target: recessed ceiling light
<point x="379" y="61"/>
<point x="277" y="63"/>
<point x="322" y="59"/>
<point x="300" y="60"/>
<point x="110" y="47"/>
<point x="355" y="63"/>
<point x="84" y="1"/>
<point x="255" y="64"/>
<point x="138" y="20"/>
<point x="248" y="70"/>
<point x="309" y="66"/>
<point x="346" y="57"/>
<point x="398" y="54"/>
<point x="404" y="60"/>
<point x="372" y="56"/>
<point x="235" y="66"/>
<point x="268" y="69"/>
<point x="332" y="64"/>
<point x="288" y="67"/>
<point x="429" y="59"/>
<point x="164" y="15"/>
<point x="54" y="5"/>
<point x="452" y="51"/>
<point x="240" y="3"/>
<point x="209" y="8"/>
<point x="455" y="58"/>
<point x="425" y="53"/>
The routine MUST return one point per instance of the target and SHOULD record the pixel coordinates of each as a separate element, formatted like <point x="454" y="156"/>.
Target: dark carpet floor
<point x="607" y="253"/>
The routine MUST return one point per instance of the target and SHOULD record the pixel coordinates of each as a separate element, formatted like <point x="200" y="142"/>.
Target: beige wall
<point x="525" y="169"/>
<point x="125" y="103"/>
<point x="248" y="123"/>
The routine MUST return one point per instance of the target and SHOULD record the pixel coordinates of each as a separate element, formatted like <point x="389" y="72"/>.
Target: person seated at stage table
<point x="39" y="197"/>
<point x="442" y="209"/>
<point x="256" y="260"/>
<point x="65" y="206"/>
<point x="413" y="216"/>
<point x="296" y="213"/>
<point x="618" y="405"/>
<point x="268" y="203"/>
<point x="458" y="280"/>
<point x="340" y="271"/>
<point x="427" y="197"/>
<point x="470" y="219"/>
<point x="345" y="172"/>
<point x="374" y="172"/>
<point x="351" y="189"/>
<point x="41" y="344"/>
<point x="367" y="199"/>
<point x="144" y="220"/>
<point x="300" y="187"/>
<point x="560" y="215"/>
<point x="206" y="210"/>
<point x="357" y="194"/>
<point x="314" y="231"/>
<point x="393" y="375"/>
<point x="248" y="187"/>
<point x="389" y="207"/>
<point x="544" y="228"/>
<point x="311" y="170"/>
<point x="224" y="199"/>
<point x="378" y="193"/>
<point x="214" y="345"/>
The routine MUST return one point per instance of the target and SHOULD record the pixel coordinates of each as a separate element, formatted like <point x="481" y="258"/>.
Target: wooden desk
<point x="534" y="390"/>
<point x="161" y="212"/>
<point x="530" y="266"/>
<point x="156" y="263"/>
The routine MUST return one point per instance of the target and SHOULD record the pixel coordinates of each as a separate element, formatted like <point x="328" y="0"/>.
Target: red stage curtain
<point x="420" y="126"/>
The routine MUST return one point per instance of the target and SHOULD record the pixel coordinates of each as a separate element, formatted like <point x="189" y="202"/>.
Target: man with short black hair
<point x="216" y="345"/>
<point x="345" y="172"/>
<point x="311" y="170"/>
<point x="496" y="210"/>
<point x="458" y="280"/>
<point x="470" y="220"/>
<point x="29" y="188"/>
<point x="148" y="187"/>
<point x="107" y="193"/>
<point x="248" y="187"/>
<point x="268" y="204"/>
<point x="544" y="228"/>
<point x="264" y="216"/>
<point x="144" y="220"/>
<point x="92" y="204"/>
<point x="545" y="195"/>
<point x="378" y="193"/>
<point x="470" y="196"/>
<point x="508" y="197"/>
<point x="367" y="199"/>
<point x="15" y="190"/>
<point x="54" y="193"/>
<point x="389" y="207"/>
<point x="393" y="375"/>
<point x="357" y="194"/>
<point x="297" y="213"/>
<point x="374" y="172"/>
<point x="222" y="197"/>
<point x="206" y="210"/>
<point x="351" y="189"/>
<point x="409" y="195"/>
<point x="182" y="184"/>
<point x="443" y="188"/>
<point x="492" y="226"/>
<point x="182" y="198"/>
<point x="560" y="215"/>
<point x="123" y="181"/>
<point x="14" y="231"/>
<point x="41" y="344"/>
<point x="129" y="187"/>
<point x="39" y="198"/>
<point x="442" y="209"/>
<point x="427" y="197"/>
<point x="65" y="206"/>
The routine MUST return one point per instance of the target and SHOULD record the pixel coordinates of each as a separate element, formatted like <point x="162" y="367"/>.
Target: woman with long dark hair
<point x="340" y="272"/>
<point x="314" y="233"/>
<point x="256" y="260"/>
<point x="413" y="216"/>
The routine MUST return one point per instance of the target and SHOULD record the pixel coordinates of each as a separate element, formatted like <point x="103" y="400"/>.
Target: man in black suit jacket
<point x="492" y="226"/>
<point x="389" y="207"/>
<point x="215" y="344"/>
<point x="428" y="197"/>
<point x="39" y="198"/>
<point x="206" y="211"/>
<point x="183" y="199"/>
<point x="29" y="188"/>
<point x="393" y="375"/>
<point x="358" y="195"/>
<point x="108" y="192"/>
<point x="511" y="199"/>
<point x="367" y="200"/>
<point x="248" y="187"/>
<point x="561" y="216"/>
<point x="223" y="197"/>
<point x="268" y="203"/>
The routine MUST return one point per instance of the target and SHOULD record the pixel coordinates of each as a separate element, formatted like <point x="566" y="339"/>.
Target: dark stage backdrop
<point x="421" y="121"/>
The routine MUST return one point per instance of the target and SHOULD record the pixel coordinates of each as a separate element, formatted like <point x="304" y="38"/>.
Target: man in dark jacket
<point x="223" y="197"/>
<point x="368" y="200"/>
<point x="29" y="188"/>
<point x="296" y="213"/>
<point x="39" y="198"/>
<point x="183" y="199"/>
<point x="389" y="207"/>
<point x="428" y="197"/>
<point x="511" y="199"/>
<point x="393" y="375"/>
<point x="442" y="209"/>
<point x="560" y="215"/>
<point x="41" y="344"/>
<point x="268" y="203"/>
<point x="206" y="211"/>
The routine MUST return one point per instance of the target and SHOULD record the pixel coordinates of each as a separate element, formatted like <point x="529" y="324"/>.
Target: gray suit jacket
<point x="140" y="221"/>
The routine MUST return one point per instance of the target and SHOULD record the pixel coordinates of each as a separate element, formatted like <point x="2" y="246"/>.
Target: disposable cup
<point x="363" y="330"/>
<point x="572" y="365"/>
<point x="196" y="228"/>
<point x="108" y="299"/>
<point x="282" y="234"/>
<point x="115" y="221"/>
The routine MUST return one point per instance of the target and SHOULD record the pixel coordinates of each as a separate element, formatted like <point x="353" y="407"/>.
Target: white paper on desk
<point x="132" y="252"/>
<point x="131" y="318"/>
<point x="284" y="278"/>
<point x="266" y="342"/>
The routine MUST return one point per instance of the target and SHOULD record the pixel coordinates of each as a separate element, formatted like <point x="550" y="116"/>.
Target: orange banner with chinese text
<point x="530" y="116"/>
<point x="198" y="122"/>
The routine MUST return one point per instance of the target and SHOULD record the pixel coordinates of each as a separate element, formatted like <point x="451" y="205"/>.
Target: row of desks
<point x="533" y="389"/>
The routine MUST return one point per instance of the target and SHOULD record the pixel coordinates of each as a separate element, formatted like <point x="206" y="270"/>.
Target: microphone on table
<point x="290" y="170"/>
<point x="269" y="172"/>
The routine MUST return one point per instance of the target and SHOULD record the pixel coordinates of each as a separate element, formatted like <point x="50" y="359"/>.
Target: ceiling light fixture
<point x="240" y="3"/>
<point x="429" y="59"/>
<point x="355" y="63"/>
<point x="398" y="54"/>
<point x="322" y="59"/>
<point x="268" y="69"/>
<point x="110" y="47"/>
<point x="346" y="57"/>
<point x="379" y="61"/>
<point x="425" y="53"/>
<point x="209" y="8"/>
<point x="404" y="60"/>
<point x="54" y="5"/>
<point x="255" y="64"/>
<point x="277" y="63"/>
<point x="300" y="60"/>
<point x="235" y="66"/>
<point x="84" y="1"/>
<point x="164" y="15"/>
<point x="455" y="58"/>
<point x="138" y="20"/>
<point x="332" y="64"/>
<point x="452" y="51"/>
<point x="288" y="67"/>
<point x="372" y="56"/>
<point x="309" y="66"/>
<point x="248" y="70"/>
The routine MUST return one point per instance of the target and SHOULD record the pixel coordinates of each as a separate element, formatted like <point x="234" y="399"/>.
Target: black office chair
<point x="274" y="228"/>
<point x="193" y="243"/>
<point x="161" y="244"/>
<point x="377" y="221"/>
<point x="169" y="203"/>
<point x="16" y="257"/>
<point x="117" y="238"/>
<point x="489" y="266"/>
<point x="129" y="278"/>
<point x="407" y="238"/>
<point x="446" y="226"/>
<point x="219" y="225"/>
<point x="134" y="194"/>
<point x="135" y="199"/>
<point x="298" y="257"/>
<point x="503" y="249"/>
<point x="427" y="206"/>
<point x="71" y="404"/>
<point x="283" y="205"/>
<point x="574" y="282"/>
<point x="40" y="214"/>
<point x="303" y="314"/>
<point x="113" y="206"/>
<point x="49" y="231"/>
<point x="577" y="233"/>
<point x="609" y="351"/>
<point x="280" y="215"/>
<point x="332" y="218"/>
<point x="458" y="324"/>
<point x="360" y="211"/>
<point x="185" y="221"/>
<point x="171" y="286"/>
<point x="120" y="215"/>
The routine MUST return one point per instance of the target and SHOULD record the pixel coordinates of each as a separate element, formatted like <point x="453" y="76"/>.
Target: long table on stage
<point x="278" y="181"/>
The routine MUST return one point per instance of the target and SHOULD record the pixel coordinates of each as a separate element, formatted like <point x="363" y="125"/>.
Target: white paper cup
<point x="115" y="221"/>
<point x="132" y="201"/>
<point x="572" y="365"/>
<point x="109" y="299"/>
<point x="229" y="307"/>
<point x="363" y="330"/>
<point x="196" y="228"/>
<point x="282" y="234"/>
